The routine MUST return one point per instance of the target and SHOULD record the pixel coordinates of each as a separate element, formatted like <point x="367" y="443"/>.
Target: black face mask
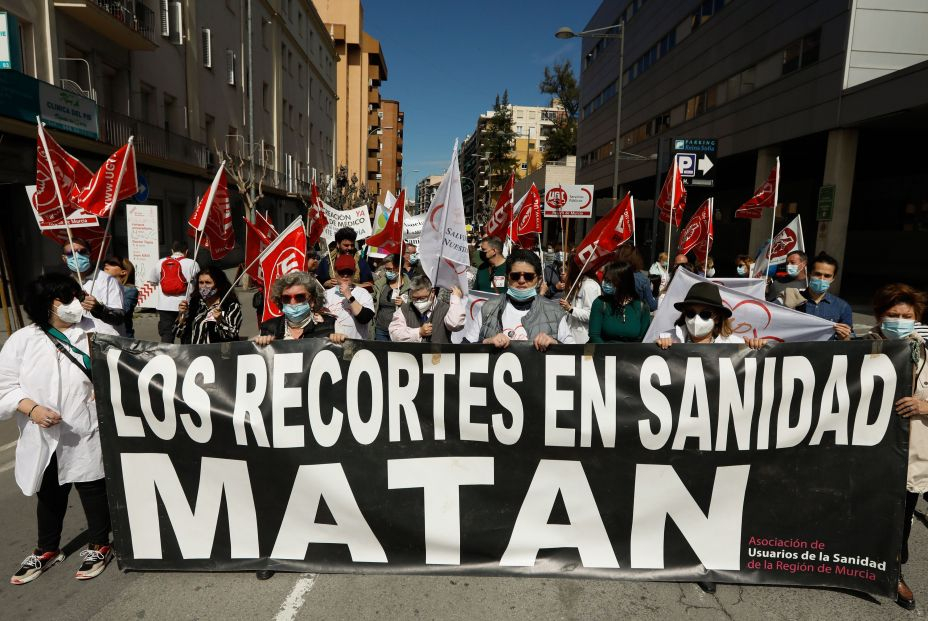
<point x="483" y="255"/>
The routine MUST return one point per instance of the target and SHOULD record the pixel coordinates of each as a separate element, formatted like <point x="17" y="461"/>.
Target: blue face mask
<point x="391" y="276"/>
<point x="742" y="270"/>
<point x="414" y="258"/>
<point x="819" y="286"/>
<point x="521" y="295"/>
<point x="895" y="328"/>
<point x="792" y="270"/>
<point x="297" y="312"/>
<point x="608" y="288"/>
<point x="78" y="262"/>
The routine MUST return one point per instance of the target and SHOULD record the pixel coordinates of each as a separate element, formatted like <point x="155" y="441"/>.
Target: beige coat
<point x="917" y="477"/>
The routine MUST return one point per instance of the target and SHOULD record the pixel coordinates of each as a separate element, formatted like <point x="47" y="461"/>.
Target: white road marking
<point x="8" y="466"/>
<point x="297" y="597"/>
<point x="8" y="445"/>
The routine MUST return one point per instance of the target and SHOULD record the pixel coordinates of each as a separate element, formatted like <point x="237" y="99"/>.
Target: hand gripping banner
<point x="782" y="466"/>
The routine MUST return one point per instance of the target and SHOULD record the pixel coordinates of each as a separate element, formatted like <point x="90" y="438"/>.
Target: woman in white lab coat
<point x="45" y="384"/>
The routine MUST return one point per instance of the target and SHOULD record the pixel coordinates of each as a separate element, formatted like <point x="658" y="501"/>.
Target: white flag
<point x="786" y="241"/>
<point x="472" y="317"/>
<point x="443" y="245"/>
<point x="752" y="316"/>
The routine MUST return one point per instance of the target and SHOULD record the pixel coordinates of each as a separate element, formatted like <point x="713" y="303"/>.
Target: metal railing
<point x="152" y="140"/>
<point x="134" y="15"/>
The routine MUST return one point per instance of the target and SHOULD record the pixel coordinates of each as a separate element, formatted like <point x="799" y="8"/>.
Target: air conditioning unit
<point x="206" y="41"/>
<point x="177" y="23"/>
<point x="230" y="67"/>
<point x="165" y="19"/>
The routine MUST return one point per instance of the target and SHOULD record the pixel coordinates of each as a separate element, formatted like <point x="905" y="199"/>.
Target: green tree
<point x="561" y="84"/>
<point x="498" y="141"/>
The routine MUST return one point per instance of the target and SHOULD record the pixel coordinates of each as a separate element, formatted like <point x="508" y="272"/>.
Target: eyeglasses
<point x="296" y="298"/>
<point x="346" y="273"/>
<point x="703" y="314"/>
<point x="526" y="276"/>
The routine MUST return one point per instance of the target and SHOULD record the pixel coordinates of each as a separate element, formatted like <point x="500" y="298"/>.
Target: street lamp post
<point x="596" y="33"/>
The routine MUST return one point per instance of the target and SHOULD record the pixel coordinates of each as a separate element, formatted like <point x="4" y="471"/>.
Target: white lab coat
<point x="579" y="319"/>
<point x="32" y="367"/>
<point x="108" y="292"/>
<point x="189" y="268"/>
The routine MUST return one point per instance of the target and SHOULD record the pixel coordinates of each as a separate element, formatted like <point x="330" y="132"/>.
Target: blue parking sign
<point x="686" y="162"/>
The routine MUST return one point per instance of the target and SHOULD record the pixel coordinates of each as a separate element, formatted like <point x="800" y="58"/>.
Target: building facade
<point x="389" y="164"/>
<point x="361" y="69"/>
<point x="175" y="76"/>
<point x="425" y="191"/>
<point x="837" y="90"/>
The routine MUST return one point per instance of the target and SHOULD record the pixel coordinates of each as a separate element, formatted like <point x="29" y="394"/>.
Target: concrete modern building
<point x="175" y="76"/>
<point x="361" y="69"/>
<point x="549" y="175"/>
<point x="838" y="90"/>
<point x="389" y="163"/>
<point x="425" y="190"/>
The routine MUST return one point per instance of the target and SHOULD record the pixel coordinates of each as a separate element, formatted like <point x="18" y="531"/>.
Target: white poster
<point x="51" y="220"/>
<point x="412" y="228"/>
<point x="356" y="218"/>
<point x="568" y="201"/>
<point x="142" y="233"/>
<point x="752" y="315"/>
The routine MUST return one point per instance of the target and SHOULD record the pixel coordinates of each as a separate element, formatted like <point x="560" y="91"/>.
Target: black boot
<point x="707" y="587"/>
<point x="264" y="574"/>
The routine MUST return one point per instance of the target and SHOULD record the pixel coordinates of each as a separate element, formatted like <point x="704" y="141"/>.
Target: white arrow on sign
<point x="705" y="164"/>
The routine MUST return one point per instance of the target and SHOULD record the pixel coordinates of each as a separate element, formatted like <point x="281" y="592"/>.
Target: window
<point x="791" y="56"/>
<point x="810" y="48"/>
<point x="266" y="96"/>
<point x="230" y="67"/>
<point x="206" y="39"/>
<point x="302" y="129"/>
<point x="284" y="112"/>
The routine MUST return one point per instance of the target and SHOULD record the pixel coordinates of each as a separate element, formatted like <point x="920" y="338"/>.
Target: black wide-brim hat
<point x="706" y="294"/>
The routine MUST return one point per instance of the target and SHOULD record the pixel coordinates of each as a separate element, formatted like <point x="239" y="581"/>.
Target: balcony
<point x="373" y="97"/>
<point x="151" y="140"/>
<point x="373" y="142"/>
<point x="373" y="164"/>
<point x="130" y="25"/>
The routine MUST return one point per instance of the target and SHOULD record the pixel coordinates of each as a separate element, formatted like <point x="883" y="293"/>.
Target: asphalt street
<point x="176" y="596"/>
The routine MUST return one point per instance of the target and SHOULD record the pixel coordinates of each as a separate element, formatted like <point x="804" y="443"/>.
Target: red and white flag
<point x="672" y="198"/>
<point x="316" y="220"/>
<point x="526" y="219"/>
<point x="255" y="243"/>
<point x="765" y="196"/>
<point x="285" y="254"/>
<point x="115" y="181"/>
<point x="211" y="221"/>
<point x="613" y="230"/>
<point x="785" y="242"/>
<point x="70" y="173"/>
<point x="390" y="238"/>
<point x="697" y="234"/>
<point x="443" y="243"/>
<point x="264" y="224"/>
<point x="501" y="218"/>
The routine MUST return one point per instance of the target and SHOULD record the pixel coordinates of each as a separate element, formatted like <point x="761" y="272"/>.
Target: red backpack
<point x="172" y="278"/>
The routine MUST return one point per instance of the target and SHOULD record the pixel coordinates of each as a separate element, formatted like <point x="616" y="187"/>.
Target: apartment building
<point x="389" y="163"/>
<point x="175" y="75"/>
<point x="425" y="191"/>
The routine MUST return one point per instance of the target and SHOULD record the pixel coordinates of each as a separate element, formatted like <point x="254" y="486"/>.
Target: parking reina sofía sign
<point x="568" y="201"/>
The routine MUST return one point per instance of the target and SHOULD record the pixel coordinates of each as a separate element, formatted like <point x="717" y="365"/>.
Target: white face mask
<point x="710" y="272"/>
<point x="699" y="327"/>
<point x="70" y="313"/>
<point x="422" y="305"/>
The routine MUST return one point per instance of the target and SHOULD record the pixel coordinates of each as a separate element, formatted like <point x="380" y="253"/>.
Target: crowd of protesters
<point x="342" y="293"/>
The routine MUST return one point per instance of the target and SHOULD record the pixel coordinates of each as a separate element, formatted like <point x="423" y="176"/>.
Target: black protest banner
<point x="782" y="466"/>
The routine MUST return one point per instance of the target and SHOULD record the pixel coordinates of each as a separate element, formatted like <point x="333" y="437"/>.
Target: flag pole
<point x="444" y="216"/>
<point x="634" y="227"/>
<point x="673" y="202"/>
<point x="773" y="217"/>
<point x="51" y="170"/>
<point x="705" y="264"/>
<point x="582" y="271"/>
<point x="209" y="205"/>
<point x="111" y="208"/>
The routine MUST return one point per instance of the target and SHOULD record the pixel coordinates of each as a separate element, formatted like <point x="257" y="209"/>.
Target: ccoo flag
<point x="212" y="218"/>
<point x="501" y="218"/>
<point x="526" y="219"/>
<point x="613" y="230"/>
<point x="764" y="197"/>
<point x="287" y="253"/>
<point x="697" y="234"/>
<point x="69" y="172"/>
<point x="672" y="198"/>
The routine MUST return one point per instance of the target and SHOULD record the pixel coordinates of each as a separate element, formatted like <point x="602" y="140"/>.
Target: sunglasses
<point x="526" y="276"/>
<point x="296" y="298"/>
<point x="346" y="273"/>
<point x="67" y="299"/>
<point x="703" y="314"/>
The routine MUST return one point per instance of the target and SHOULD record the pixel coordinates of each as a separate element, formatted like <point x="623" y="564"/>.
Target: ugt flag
<point x="526" y="219"/>
<point x="501" y="218"/>
<point x="287" y="253"/>
<point x="115" y="181"/>
<point x="443" y="245"/>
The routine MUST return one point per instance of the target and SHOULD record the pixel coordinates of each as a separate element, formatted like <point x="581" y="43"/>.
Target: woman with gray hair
<point x="300" y="298"/>
<point x="426" y="317"/>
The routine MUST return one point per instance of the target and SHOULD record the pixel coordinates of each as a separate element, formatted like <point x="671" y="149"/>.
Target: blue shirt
<point x="643" y="289"/>
<point x="830" y="307"/>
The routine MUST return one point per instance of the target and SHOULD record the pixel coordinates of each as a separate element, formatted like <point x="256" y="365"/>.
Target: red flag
<point x="264" y="225"/>
<point x="213" y="218"/>
<point x="764" y="196"/>
<point x="255" y="243"/>
<point x="287" y="253"/>
<point x="672" y="189"/>
<point x="526" y="222"/>
<point x="390" y="237"/>
<point x="498" y="226"/>
<point x="697" y="234"/>
<point x="316" y="220"/>
<point x="613" y="230"/>
<point x="115" y="181"/>
<point x="70" y="173"/>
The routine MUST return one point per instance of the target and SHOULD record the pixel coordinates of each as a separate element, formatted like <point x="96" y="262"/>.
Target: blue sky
<point x="446" y="61"/>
